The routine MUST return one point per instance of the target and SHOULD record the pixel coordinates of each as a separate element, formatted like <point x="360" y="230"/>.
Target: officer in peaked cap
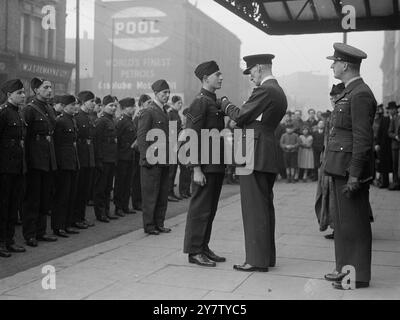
<point x="205" y="113"/>
<point x="41" y="163"/>
<point x="85" y="146"/>
<point x="65" y="137"/>
<point x="154" y="176"/>
<point x="126" y="135"/>
<point x="255" y="59"/>
<point x="106" y="159"/>
<point x="12" y="164"/>
<point x="349" y="160"/>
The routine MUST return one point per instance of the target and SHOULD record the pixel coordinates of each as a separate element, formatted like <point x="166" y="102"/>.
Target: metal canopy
<point x="279" y="17"/>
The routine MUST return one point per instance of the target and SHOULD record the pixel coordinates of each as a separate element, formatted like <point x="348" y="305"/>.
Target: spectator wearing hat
<point x="126" y="137"/>
<point x="262" y="113"/>
<point x="85" y="146"/>
<point x="311" y="121"/>
<point x="154" y="171"/>
<point x="41" y="163"/>
<point x="382" y="145"/>
<point x="204" y="113"/>
<point x="349" y="160"/>
<point x="394" y="136"/>
<point x="12" y="163"/>
<point x="136" y="194"/>
<point x="173" y="114"/>
<point x="65" y="138"/>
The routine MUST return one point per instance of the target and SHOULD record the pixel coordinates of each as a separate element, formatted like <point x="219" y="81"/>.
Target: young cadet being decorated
<point x="65" y="137"/>
<point x="205" y="113"/>
<point x="126" y="137"/>
<point x="12" y="164"/>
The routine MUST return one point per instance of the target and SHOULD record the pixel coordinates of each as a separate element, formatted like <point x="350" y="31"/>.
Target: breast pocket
<point x="215" y="119"/>
<point x="343" y="115"/>
<point x="14" y="129"/>
<point x="40" y="126"/>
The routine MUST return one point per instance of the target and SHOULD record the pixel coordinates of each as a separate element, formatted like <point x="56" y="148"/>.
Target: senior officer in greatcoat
<point x="106" y="159"/>
<point x="349" y="159"/>
<point x="85" y="147"/>
<point x="65" y="137"/>
<point x="154" y="176"/>
<point x="12" y="164"/>
<point x="41" y="163"/>
<point x="126" y="137"/>
<point x="262" y="113"/>
<point x="205" y="113"/>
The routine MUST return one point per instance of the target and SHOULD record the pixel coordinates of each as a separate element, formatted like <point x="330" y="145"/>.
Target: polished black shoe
<point x="60" y="233"/>
<point x="330" y="236"/>
<point x="32" y="242"/>
<point x="201" y="260"/>
<point x="184" y="196"/>
<point x="15" y="248"/>
<point x="212" y="256"/>
<point x="129" y="211"/>
<point x="47" y="238"/>
<point x="88" y="223"/>
<point x="335" y="276"/>
<point x="80" y="225"/>
<point x="249" y="268"/>
<point x="19" y="222"/>
<point x="90" y="203"/>
<point x="112" y="217"/>
<point x="4" y="253"/>
<point x="103" y="219"/>
<point x="71" y="231"/>
<point x="338" y="285"/>
<point x="153" y="232"/>
<point x="163" y="230"/>
<point x="119" y="213"/>
<point x="172" y="199"/>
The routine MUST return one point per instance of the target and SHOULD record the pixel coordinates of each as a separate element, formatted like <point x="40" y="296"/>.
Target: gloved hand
<point x="224" y="103"/>
<point x="352" y="187"/>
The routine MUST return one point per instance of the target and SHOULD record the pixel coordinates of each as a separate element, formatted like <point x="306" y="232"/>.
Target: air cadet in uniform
<point x="65" y="137"/>
<point x="106" y="158"/>
<point x="126" y="137"/>
<point x="136" y="196"/>
<point x="85" y="145"/>
<point x="41" y="163"/>
<point x="205" y="113"/>
<point x="262" y="113"/>
<point x="12" y="164"/>
<point x="154" y="176"/>
<point x="349" y="159"/>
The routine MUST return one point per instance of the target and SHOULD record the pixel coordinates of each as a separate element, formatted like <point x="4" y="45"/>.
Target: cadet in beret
<point x="262" y="113"/>
<point x="126" y="137"/>
<point x="57" y="105"/>
<point x="393" y="133"/>
<point x="41" y="163"/>
<point x="85" y="146"/>
<point x="204" y="113"/>
<point x="12" y="163"/>
<point x="136" y="195"/>
<point x="65" y="137"/>
<point x="349" y="159"/>
<point x="105" y="159"/>
<point x="154" y="176"/>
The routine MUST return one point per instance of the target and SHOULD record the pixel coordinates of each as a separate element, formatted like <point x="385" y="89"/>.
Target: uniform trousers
<point x="353" y="236"/>
<point x="258" y="214"/>
<point x="184" y="179"/>
<point x="39" y="188"/>
<point x="155" y="183"/>
<point x="83" y="194"/>
<point x="173" y="168"/>
<point x="136" y="189"/>
<point x="202" y="209"/>
<point x="395" y="161"/>
<point x="64" y="200"/>
<point x="102" y="189"/>
<point x="10" y="189"/>
<point x="123" y="182"/>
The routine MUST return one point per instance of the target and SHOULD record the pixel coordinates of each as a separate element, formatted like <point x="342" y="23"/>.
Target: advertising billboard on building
<point x="136" y="43"/>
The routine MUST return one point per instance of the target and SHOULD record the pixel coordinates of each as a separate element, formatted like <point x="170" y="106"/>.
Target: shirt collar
<point x="266" y="79"/>
<point x="209" y="93"/>
<point x="351" y="80"/>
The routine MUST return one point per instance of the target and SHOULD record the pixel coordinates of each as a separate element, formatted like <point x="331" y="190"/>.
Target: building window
<point x="38" y="38"/>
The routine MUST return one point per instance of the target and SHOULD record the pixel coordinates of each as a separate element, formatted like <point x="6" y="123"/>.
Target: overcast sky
<point x="293" y="53"/>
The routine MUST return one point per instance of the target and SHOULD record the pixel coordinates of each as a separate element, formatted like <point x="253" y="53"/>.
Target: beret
<point x="160" y="85"/>
<point x="84" y="96"/>
<point x="108" y="99"/>
<point x="36" y="83"/>
<point x="127" y="102"/>
<point x="206" y="69"/>
<point x="67" y="99"/>
<point x="12" y="85"/>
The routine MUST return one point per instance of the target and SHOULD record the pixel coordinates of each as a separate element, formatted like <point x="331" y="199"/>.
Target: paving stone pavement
<point x="138" y="266"/>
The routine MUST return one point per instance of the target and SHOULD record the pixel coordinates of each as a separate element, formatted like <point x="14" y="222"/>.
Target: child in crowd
<point x="289" y="144"/>
<point x="306" y="156"/>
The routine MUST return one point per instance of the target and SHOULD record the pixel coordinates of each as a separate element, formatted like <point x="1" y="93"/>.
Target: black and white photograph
<point x="199" y="154"/>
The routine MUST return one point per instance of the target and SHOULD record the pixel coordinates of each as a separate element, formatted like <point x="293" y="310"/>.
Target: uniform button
<point x="341" y="148"/>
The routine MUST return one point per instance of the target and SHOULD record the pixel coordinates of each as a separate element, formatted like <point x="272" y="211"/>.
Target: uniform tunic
<point x="204" y="113"/>
<point x="350" y="152"/>
<point x="12" y="168"/>
<point x="256" y="189"/>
